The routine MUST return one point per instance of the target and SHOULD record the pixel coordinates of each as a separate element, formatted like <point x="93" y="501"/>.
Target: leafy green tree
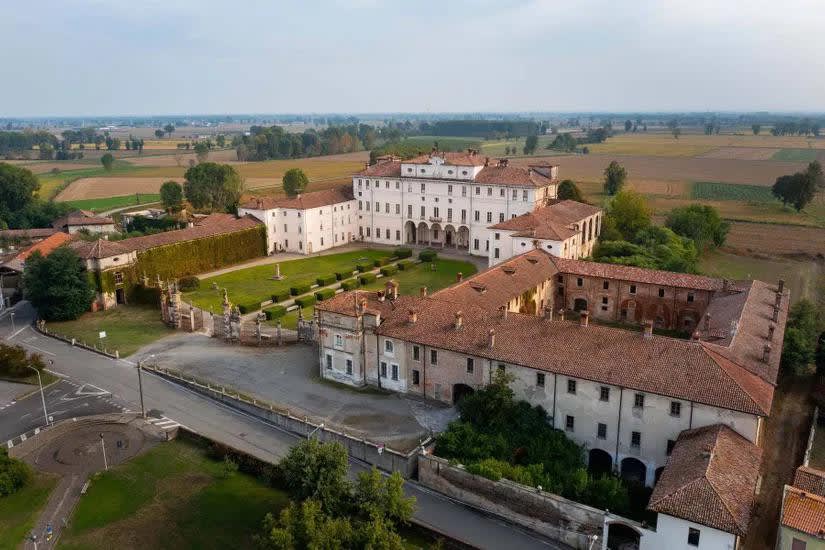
<point x="295" y="182"/>
<point x="169" y="129"/>
<point x="615" y="176"/>
<point x="46" y="151"/>
<point x="378" y="496"/>
<point x="628" y="125"/>
<point x="217" y="187"/>
<point x="756" y="129"/>
<point x="220" y="140"/>
<point x="630" y="213"/>
<point x="15" y="361"/>
<point x="171" y="196"/>
<point x="14" y="474"/>
<point x="800" y="188"/>
<point x="17" y="189"/>
<point x="564" y="142"/>
<point x="814" y="172"/>
<point x="568" y="190"/>
<point x="107" y="160"/>
<point x="159" y="133"/>
<point x="304" y="525"/>
<point x="530" y="145"/>
<point x="202" y="151"/>
<point x="801" y="337"/>
<point x="318" y="471"/>
<point x="699" y="222"/>
<point x="57" y="285"/>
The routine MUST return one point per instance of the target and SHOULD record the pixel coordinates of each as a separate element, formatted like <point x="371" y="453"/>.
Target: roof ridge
<point x="724" y="501"/>
<point x="727" y="373"/>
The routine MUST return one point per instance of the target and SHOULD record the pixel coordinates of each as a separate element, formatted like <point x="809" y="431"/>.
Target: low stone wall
<point x="42" y="328"/>
<point x="553" y="516"/>
<point x="385" y="458"/>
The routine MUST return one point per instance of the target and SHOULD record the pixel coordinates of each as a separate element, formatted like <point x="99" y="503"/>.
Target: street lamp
<point x="11" y="316"/>
<point x="140" y="386"/>
<point x="42" y="395"/>
<point x="103" y="446"/>
<point x="320" y="426"/>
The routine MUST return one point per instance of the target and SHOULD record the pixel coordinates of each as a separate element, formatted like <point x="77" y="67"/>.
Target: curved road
<point x="118" y="380"/>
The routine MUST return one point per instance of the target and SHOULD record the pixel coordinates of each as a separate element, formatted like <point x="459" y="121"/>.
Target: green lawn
<point x="19" y="511"/>
<point x="254" y="285"/>
<point x="171" y="497"/>
<point x="109" y="203"/>
<point x="127" y="328"/>
<point x="51" y="182"/>
<point x="796" y="155"/>
<point x="715" y="191"/>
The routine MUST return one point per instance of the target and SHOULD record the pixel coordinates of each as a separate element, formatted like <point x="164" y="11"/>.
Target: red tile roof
<point x="804" y="512"/>
<point x="462" y="158"/>
<point x="389" y="169"/>
<point x="810" y="480"/>
<point x="303" y="201"/>
<point x="710" y="478"/>
<point x="555" y="221"/>
<point x="35" y="233"/>
<point x="45" y="247"/>
<point x="512" y="175"/>
<point x="97" y="249"/>
<point x="81" y="217"/>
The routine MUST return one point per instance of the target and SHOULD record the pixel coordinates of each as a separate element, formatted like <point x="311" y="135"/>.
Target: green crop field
<point x="715" y="191"/>
<point x="109" y="203"/>
<point x="796" y="155"/>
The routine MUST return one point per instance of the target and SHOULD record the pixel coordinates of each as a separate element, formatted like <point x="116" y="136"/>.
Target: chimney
<point x="391" y="289"/>
<point x="648" y="329"/>
<point x="423" y="291"/>
<point x="459" y="277"/>
<point x="771" y="329"/>
<point x="412" y="317"/>
<point x="725" y="285"/>
<point x="766" y="353"/>
<point x="781" y="286"/>
<point x="548" y="313"/>
<point x="695" y="336"/>
<point x="584" y="319"/>
<point x="491" y="338"/>
<point x="707" y="322"/>
<point x="459" y="320"/>
<point x="561" y="314"/>
<point x="503" y="311"/>
<point x="775" y="316"/>
<point x="380" y="295"/>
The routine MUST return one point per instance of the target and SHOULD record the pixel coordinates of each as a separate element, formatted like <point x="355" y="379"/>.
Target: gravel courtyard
<point x="289" y="376"/>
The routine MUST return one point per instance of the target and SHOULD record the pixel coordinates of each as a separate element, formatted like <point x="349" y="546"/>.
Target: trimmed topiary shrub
<point x="427" y="255"/>
<point x="367" y="278"/>
<point x="341" y="275"/>
<point x="243" y="309"/>
<point x="187" y="284"/>
<point x="405" y="264"/>
<point x="324" y="294"/>
<point x="350" y="284"/>
<point x="280" y="297"/>
<point x="298" y="290"/>
<point x="305" y="301"/>
<point x="388" y="270"/>
<point x="275" y="312"/>
<point x="328" y="280"/>
<point x="363" y="267"/>
<point x="402" y="253"/>
<point x="381" y="261"/>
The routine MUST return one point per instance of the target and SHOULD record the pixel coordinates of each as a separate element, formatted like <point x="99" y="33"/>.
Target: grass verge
<point x="109" y="203"/>
<point x="19" y="511"/>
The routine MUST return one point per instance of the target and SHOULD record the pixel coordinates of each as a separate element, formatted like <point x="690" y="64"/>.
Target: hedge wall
<point x="350" y="284"/>
<point x="341" y="275"/>
<point x="388" y="270"/>
<point x="274" y="312"/>
<point x="324" y="294"/>
<point x="367" y="278"/>
<point x="364" y="267"/>
<point x="324" y="281"/>
<point x="427" y="255"/>
<point x="281" y="296"/>
<point x="305" y="301"/>
<point x="402" y="252"/>
<point x="405" y="264"/>
<point x="298" y="290"/>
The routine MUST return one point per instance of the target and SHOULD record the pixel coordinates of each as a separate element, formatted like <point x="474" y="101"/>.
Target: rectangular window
<point x="515" y="194"/>
<point x="579" y="282"/>
<point x="433" y="357"/>
<point x="449" y="189"/>
<point x="497" y="236"/>
<point x="489" y="191"/>
<point x="416" y="353"/>
<point x="409" y="211"/>
<point x="285" y="229"/>
<point x="397" y="208"/>
<point x="604" y="393"/>
<point x="601" y="431"/>
<point x="639" y="400"/>
<point x="463" y="216"/>
<point x="423" y="187"/>
<point x="415" y="377"/>
<point x="118" y="277"/>
<point x="387" y="233"/>
<point x="540" y="379"/>
<point x="398" y="185"/>
<point x="571" y="386"/>
<point x="636" y="439"/>
<point x="463" y="190"/>
<point x="501" y="217"/>
<point x="423" y="212"/>
<point x="435" y="211"/>
<point x="383" y="369"/>
<point x="495" y="252"/>
<point x="569" y="423"/>
<point x="349" y="366"/>
<point x="329" y="361"/>
<point x="633" y="289"/>
<point x="661" y="293"/>
<point x="397" y="234"/>
<point x="501" y="192"/>
<point x="395" y="372"/>
<point x="470" y="365"/>
<point x="605" y="285"/>
<point x="449" y="214"/>
<point x="475" y="244"/>
<point x="604" y="300"/>
<point x="670" y="444"/>
<point x="477" y="215"/>
<point x="675" y="408"/>
<point x="489" y="217"/>
<point x="693" y="537"/>
<point x="339" y="341"/>
<point x="524" y="195"/>
<point x="377" y="206"/>
<point x="368" y="232"/>
<point x="478" y="190"/>
<point x="690" y="297"/>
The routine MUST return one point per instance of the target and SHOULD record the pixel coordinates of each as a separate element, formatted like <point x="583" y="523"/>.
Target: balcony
<point x="435" y="219"/>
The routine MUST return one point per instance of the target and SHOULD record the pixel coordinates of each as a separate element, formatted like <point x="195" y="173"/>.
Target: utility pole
<point x="11" y="316"/>
<point x="140" y="389"/>
<point x="42" y="395"/>
<point x="103" y="446"/>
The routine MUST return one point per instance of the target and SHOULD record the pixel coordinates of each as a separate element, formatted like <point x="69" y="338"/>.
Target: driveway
<point x="288" y="376"/>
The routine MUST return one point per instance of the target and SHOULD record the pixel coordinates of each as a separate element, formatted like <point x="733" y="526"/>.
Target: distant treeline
<point x="482" y="128"/>
<point x="264" y="143"/>
<point x="17" y="142"/>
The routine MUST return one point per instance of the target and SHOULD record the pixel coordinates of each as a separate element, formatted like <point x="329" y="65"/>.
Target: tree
<point x="107" y="160"/>
<point x="756" y="129"/>
<point x="377" y="496"/>
<point x="46" y="151"/>
<point x="217" y="187"/>
<point x="15" y="362"/>
<point x="202" y="151"/>
<point x="220" y="140"/>
<point x="801" y="335"/>
<point x="629" y="213"/>
<point x="318" y="471"/>
<point x="305" y="525"/>
<point x="568" y="190"/>
<point x="57" y="285"/>
<point x="295" y="182"/>
<point x="814" y="172"/>
<point x="800" y="188"/>
<point x="699" y="222"/>
<point x="615" y="177"/>
<point x="17" y="190"/>
<point x="14" y="474"/>
<point x="169" y="129"/>
<point x="628" y="125"/>
<point x="530" y="145"/>
<point x="171" y="196"/>
<point x="159" y="133"/>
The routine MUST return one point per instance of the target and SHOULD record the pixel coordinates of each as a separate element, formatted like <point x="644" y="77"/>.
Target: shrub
<point x="305" y="301"/>
<point x="350" y="284"/>
<point x="363" y="267"/>
<point x="298" y="290"/>
<point x="243" y="309"/>
<point x="405" y="264"/>
<point x="427" y="255"/>
<point x="275" y="312"/>
<point x="402" y="252"/>
<point x="388" y="270"/>
<point x="280" y="297"/>
<point x="341" y="275"/>
<point x="381" y="261"/>
<point x="249" y="307"/>
<point x="187" y="284"/>
<point x="146" y="295"/>
<point x="328" y="280"/>
<point x="324" y="294"/>
<point x="367" y="278"/>
<point x="14" y="474"/>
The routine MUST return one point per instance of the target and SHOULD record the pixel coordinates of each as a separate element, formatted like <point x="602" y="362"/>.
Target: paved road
<point x="244" y="432"/>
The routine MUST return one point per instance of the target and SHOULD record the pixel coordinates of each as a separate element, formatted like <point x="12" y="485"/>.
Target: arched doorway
<point x="436" y="234"/>
<point x="622" y="537"/>
<point x="449" y="236"/>
<point x="410" y="232"/>
<point x="460" y="391"/>
<point x="423" y="234"/>
<point x="634" y="470"/>
<point x="579" y="304"/>
<point x="464" y="237"/>
<point x="599" y="463"/>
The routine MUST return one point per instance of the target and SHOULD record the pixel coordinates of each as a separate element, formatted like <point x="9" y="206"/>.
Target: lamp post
<point x="42" y="395"/>
<point x="103" y="446"/>
<point x="140" y="389"/>
<point x="309" y="435"/>
<point x="11" y="316"/>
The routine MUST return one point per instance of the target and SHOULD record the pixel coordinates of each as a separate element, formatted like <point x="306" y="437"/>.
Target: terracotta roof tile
<point x="710" y="478"/>
<point x="804" y="512"/>
<point x="303" y="201"/>
<point x="512" y="175"/>
<point x="459" y="158"/>
<point x="81" y="217"/>
<point x="45" y="247"/>
<point x="555" y="221"/>
<point x="35" y="233"/>
<point x="388" y="169"/>
<point x="810" y="480"/>
<point x="97" y="249"/>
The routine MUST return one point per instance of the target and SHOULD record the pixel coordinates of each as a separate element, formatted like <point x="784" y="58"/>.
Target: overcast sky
<point x="98" y="57"/>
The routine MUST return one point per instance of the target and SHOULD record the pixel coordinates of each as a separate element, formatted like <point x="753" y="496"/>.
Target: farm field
<point x="695" y="144"/>
<point x="167" y="158"/>
<point x="744" y="153"/>
<point x="786" y="240"/>
<point x="110" y="203"/>
<point x="104" y="187"/>
<point x="800" y="155"/>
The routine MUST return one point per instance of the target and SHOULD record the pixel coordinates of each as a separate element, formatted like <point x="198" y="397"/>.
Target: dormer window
<point x="464" y="173"/>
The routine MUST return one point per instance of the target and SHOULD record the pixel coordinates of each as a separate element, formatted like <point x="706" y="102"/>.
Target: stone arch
<point x="410" y="232"/>
<point x="436" y="234"/>
<point x="463" y="235"/>
<point x="460" y="391"/>
<point x="660" y="315"/>
<point x="634" y="470"/>
<point x="580" y="304"/>
<point x="688" y="320"/>
<point x="449" y="236"/>
<point x="423" y="233"/>
<point x="621" y="536"/>
<point x="599" y="462"/>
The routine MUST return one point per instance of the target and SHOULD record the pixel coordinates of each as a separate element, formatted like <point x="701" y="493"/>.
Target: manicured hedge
<point x="328" y="280"/>
<point x="427" y="255"/>
<point x="146" y="295"/>
<point x="280" y="297"/>
<point x="402" y="253"/>
<point x="381" y="261"/>
<point x="185" y="284"/>
<point x="388" y="270"/>
<point x="249" y="307"/>
<point x="298" y="290"/>
<point x="350" y="284"/>
<point x="364" y="267"/>
<point x="305" y="301"/>
<point x="324" y="294"/>
<point x="405" y="264"/>
<point x="275" y="312"/>
<point x="367" y="278"/>
<point x="341" y="275"/>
